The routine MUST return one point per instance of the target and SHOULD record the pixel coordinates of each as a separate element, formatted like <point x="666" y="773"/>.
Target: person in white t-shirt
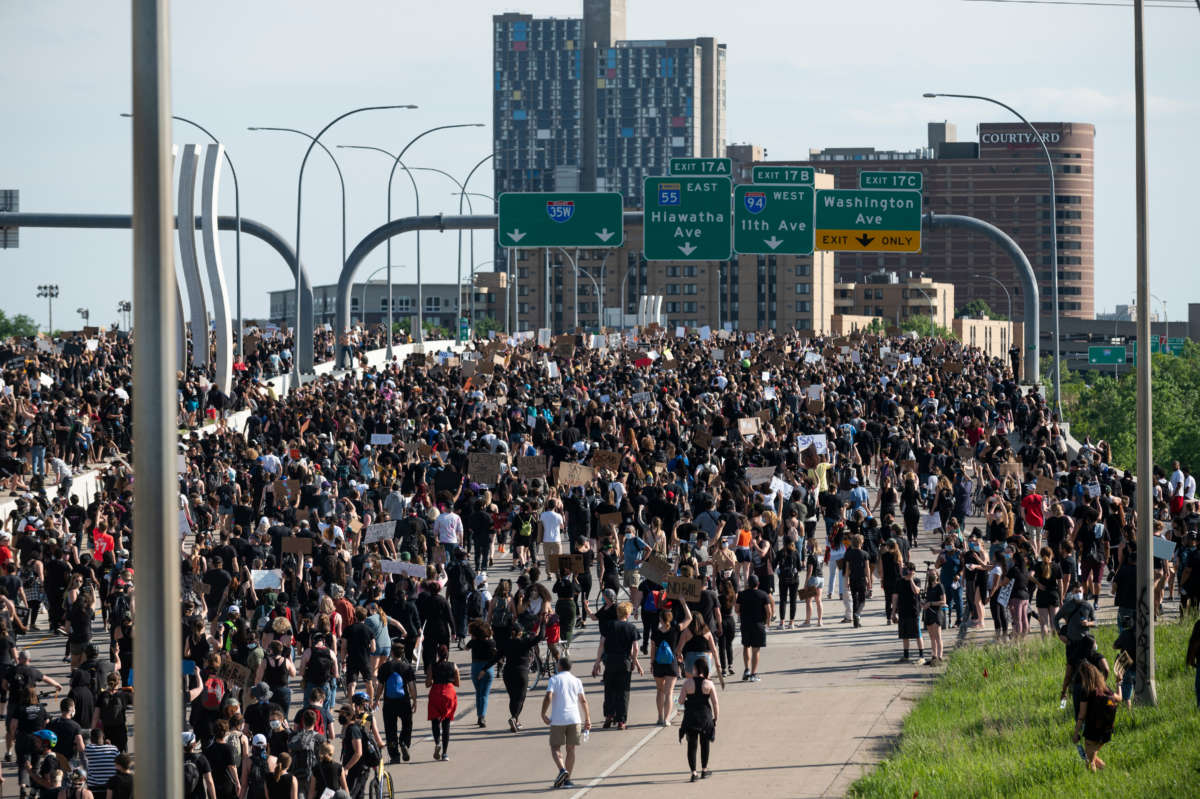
<point x="552" y="527"/>
<point x="448" y="528"/>
<point x="565" y="710"/>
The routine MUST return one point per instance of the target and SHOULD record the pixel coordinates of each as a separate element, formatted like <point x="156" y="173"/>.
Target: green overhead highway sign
<point x="1106" y="356"/>
<point x="561" y="219"/>
<point x="868" y="220"/>
<point x="686" y="219"/>
<point x="769" y="219"/>
<point x="891" y="180"/>
<point x="798" y="175"/>
<point x="702" y="166"/>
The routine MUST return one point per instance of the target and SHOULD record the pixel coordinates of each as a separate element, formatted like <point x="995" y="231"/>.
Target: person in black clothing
<point x="618" y="651"/>
<point x="479" y="525"/>
<point x="438" y="619"/>
<point x="567" y="590"/>
<point x="517" y="653"/>
<point x="460" y="578"/>
<point x="788" y="568"/>
<point x="360" y="646"/>
<point x="397" y="685"/>
<point x="755" y="609"/>
<point x="906" y="606"/>
<point x="858" y="575"/>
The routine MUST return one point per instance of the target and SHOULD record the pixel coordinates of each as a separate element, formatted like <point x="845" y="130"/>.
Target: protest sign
<point x="555" y="564"/>
<point x="656" y="569"/>
<point x="374" y="533"/>
<point x="686" y="588"/>
<point x="297" y="545"/>
<point x="574" y="474"/>
<point x="484" y="467"/>
<point x="380" y="438"/>
<point x="531" y="465"/>
<point x="263" y="579"/>
<point x="757" y="475"/>
<point x="606" y="460"/>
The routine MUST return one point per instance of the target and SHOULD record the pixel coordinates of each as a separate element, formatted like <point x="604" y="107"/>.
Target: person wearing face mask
<point x="1074" y="622"/>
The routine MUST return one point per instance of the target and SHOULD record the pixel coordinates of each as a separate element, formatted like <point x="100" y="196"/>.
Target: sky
<point x="801" y="74"/>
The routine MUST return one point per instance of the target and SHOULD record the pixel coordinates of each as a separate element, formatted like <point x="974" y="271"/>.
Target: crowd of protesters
<point x="372" y="541"/>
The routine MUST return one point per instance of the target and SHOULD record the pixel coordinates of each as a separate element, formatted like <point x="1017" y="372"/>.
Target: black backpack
<point x="502" y="617"/>
<point x="193" y="786"/>
<point x="303" y="747"/>
<point x="320" y="667"/>
<point x="788" y="568"/>
<point x="112" y="709"/>
<point x="370" y="753"/>
<point x="475" y="605"/>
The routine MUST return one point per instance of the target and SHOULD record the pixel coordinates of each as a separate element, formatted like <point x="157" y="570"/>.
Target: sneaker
<point x="568" y="784"/>
<point x="437" y="751"/>
<point x="905" y="659"/>
<point x="563" y="776"/>
<point x="845" y="621"/>
<point x="445" y="757"/>
<point x="746" y="675"/>
<point x="512" y="725"/>
<point x="755" y="678"/>
<point x="404" y="753"/>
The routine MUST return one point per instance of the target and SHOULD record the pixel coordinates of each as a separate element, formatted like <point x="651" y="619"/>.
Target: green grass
<point x="1003" y="735"/>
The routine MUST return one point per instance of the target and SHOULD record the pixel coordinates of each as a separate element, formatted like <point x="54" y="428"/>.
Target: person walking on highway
<point x="700" y="712"/>
<point x="906" y="603"/>
<point x="755" y="609"/>
<point x="565" y="710"/>
<point x="442" y="680"/>
<point x="618" y="651"/>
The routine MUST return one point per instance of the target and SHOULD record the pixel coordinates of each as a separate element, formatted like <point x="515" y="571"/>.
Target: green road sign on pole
<point x="868" y="220"/>
<point x="1110" y="356"/>
<point x="464" y="329"/>
<point x="561" y="219"/>
<point x="796" y="175"/>
<point x="702" y="166"/>
<point x="771" y="219"/>
<point x="686" y="219"/>
<point x="891" y="180"/>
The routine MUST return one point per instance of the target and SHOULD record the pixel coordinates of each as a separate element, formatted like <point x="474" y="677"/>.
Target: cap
<point x="261" y="691"/>
<point x="361" y="697"/>
<point x="481" y="580"/>
<point x="258" y="741"/>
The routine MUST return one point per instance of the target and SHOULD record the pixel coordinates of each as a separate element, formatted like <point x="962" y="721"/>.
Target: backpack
<point x="788" y="571"/>
<point x="526" y="529"/>
<point x="120" y="612"/>
<point x="664" y="655"/>
<point x="213" y="693"/>
<point x="320" y="667"/>
<point x="653" y="600"/>
<point x="501" y="616"/>
<point x="193" y="788"/>
<point x="394" y="688"/>
<point x="1104" y="715"/>
<point x="370" y="755"/>
<point x="112" y="709"/>
<point x="302" y="746"/>
<point x="475" y="606"/>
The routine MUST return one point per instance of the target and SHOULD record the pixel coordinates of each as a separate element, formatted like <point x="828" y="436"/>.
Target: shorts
<point x="564" y="735"/>
<point x="742" y="554"/>
<point x="816" y="581"/>
<point x="632" y="578"/>
<point x="551" y="548"/>
<point x="754" y="635"/>
<point x="79" y="647"/>
<point x="355" y="671"/>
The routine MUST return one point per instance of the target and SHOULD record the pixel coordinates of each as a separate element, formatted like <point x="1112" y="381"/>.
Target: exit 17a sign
<point x="561" y="219"/>
<point x="686" y="219"/>
<point x="771" y="219"/>
<point x="891" y="180"/>
<point x="868" y="220"/>
<point x="701" y="166"/>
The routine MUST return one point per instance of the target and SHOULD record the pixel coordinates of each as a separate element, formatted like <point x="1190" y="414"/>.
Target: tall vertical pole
<point x="156" y="531"/>
<point x="549" y="302"/>
<point x="512" y="324"/>
<point x="1144" y="687"/>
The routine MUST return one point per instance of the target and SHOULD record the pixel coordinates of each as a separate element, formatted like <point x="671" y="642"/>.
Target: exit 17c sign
<point x="891" y="180"/>
<point x="773" y="219"/>
<point x="686" y="219"/>
<point x="561" y="219"/>
<point x="871" y="220"/>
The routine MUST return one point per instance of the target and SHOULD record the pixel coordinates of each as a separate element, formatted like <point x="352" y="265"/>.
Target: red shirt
<point x="6" y="555"/>
<point x="1032" y="505"/>
<point x="101" y="543"/>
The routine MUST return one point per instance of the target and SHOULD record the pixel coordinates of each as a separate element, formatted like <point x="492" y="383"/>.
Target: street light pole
<point x="1053" y="238"/>
<point x="363" y="304"/>
<point x="50" y="292"/>
<point x="237" y="213"/>
<point x="1144" y="687"/>
<point x="1000" y="283"/>
<point x="299" y="198"/>
<point x="85" y="313"/>
<point x="124" y="307"/>
<point x="932" y="315"/>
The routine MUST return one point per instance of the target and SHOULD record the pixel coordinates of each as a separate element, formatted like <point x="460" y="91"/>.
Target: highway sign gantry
<point x="773" y="219"/>
<point x="1110" y="356"/>
<point x="687" y="219"/>
<point x="561" y="219"/>
<point x="783" y="173"/>
<point x="891" y="180"/>
<point x="868" y="220"/>
<point x="698" y="167"/>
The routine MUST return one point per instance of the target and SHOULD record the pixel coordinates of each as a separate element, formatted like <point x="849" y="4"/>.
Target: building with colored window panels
<point x="576" y="107"/>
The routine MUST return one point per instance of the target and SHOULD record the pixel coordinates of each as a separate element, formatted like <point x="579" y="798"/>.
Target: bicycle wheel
<point x="386" y="791"/>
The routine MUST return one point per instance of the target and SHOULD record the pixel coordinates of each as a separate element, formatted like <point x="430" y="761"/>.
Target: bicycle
<point x="382" y="788"/>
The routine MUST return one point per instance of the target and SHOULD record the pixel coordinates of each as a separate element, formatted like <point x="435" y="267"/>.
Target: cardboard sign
<point x="1011" y="470"/>
<point x="1046" y="486"/>
<point x="757" y="475"/>
<point x="564" y="346"/>
<point x="953" y="367"/>
<point x="402" y="567"/>
<point x="818" y="442"/>
<point x="374" y="533"/>
<point x="702" y="439"/>
<point x="447" y="480"/>
<point x="966" y="453"/>
<point x="575" y="474"/>
<point x="606" y="460"/>
<point x="686" y="588"/>
<point x="532" y="465"/>
<point x="641" y="396"/>
<point x="556" y="563"/>
<point x="234" y="673"/>
<point x="611" y="519"/>
<point x="656" y="569"/>
<point x="1163" y="548"/>
<point x="749" y="426"/>
<point x="814" y="406"/>
<point x="908" y="466"/>
<point x="484" y="467"/>
<point x="378" y="439"/>
<point x="297" y="545"/>
<point x="264" y="579"/>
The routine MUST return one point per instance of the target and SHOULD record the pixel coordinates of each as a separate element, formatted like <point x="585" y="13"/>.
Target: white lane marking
<point x="623" y="759"/>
